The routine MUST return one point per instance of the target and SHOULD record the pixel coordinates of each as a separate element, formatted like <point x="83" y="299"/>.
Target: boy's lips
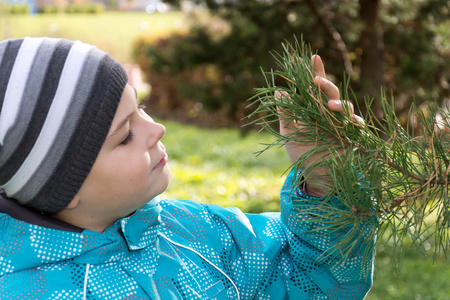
<point x="162" y="162"/>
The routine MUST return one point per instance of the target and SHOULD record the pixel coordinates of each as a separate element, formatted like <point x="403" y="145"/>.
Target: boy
<point x="82" y="165"/>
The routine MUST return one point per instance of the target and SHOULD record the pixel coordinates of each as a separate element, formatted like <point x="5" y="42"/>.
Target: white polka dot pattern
<point x="178" y="249"/>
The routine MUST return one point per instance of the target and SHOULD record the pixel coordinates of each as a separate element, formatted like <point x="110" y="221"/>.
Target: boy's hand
<point x="295" y="150"/>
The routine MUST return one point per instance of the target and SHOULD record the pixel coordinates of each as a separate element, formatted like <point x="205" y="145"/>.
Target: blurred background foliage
<point x="403" y="46"/>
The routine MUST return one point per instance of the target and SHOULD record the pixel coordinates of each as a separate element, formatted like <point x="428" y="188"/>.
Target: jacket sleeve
<point x="289" y="256"/>
<point x="313" y="246"/>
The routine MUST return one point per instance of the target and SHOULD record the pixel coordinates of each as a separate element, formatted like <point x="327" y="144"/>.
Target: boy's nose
<point x="157" y="132"/>
<point x="162" y="130"/>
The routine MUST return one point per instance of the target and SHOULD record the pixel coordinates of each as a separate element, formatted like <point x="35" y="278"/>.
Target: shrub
<point x="48" y="9"/>
<point x="88" y="8"/>
<point x="150" y="56"/>
<point x="18" y="9"/>
<point x="218" y="72"/>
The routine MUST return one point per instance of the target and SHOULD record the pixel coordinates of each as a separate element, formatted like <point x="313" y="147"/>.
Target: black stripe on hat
<point x="29" y="99"/>
<point x="40" y="112"/>
<point x="9" y="58"/>
<point x="86" y="141"/>
<point x="73" y="114"/>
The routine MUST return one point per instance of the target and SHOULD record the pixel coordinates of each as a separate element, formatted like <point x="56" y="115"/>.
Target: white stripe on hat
<point x="16" y="84"/>
<point x="66" y="88"/>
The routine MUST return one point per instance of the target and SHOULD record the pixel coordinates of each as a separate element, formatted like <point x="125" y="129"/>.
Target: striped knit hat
<point x="57" y="101"/>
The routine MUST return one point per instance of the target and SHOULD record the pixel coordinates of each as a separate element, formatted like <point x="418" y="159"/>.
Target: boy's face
<point x="131" y="167"/>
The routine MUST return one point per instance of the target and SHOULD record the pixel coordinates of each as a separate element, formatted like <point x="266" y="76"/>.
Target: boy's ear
<point x="74" y="203"/>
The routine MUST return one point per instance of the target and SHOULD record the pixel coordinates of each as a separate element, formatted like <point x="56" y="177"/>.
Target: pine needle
<point x="396" y="186"/>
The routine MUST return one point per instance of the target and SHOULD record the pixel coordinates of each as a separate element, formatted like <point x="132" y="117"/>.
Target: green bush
<point x="88" y="8"/>
<point x="48" y="9"/>
<point x="15" y="9"/>
<point x="235" y="40"/>
<point x="217" y="65"/>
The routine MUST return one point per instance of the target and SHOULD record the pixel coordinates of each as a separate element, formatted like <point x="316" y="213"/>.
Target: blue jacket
<point x="178" y="249"/>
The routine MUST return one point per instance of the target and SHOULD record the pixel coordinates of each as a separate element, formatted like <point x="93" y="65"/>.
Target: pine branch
<point x="401" y="181"/>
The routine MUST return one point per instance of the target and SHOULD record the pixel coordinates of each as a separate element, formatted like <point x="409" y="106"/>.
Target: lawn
<point x="113" y="32"/>
<point x="220" y="166"/>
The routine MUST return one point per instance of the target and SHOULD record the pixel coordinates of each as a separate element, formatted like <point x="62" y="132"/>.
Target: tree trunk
<point x="334" y="35"/>
<point x="371" y="48"/>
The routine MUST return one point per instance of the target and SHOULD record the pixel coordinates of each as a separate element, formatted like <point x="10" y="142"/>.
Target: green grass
<point x="418" y="277"/>
<point x="220" y="166"/>
<point x="112" y="32"/>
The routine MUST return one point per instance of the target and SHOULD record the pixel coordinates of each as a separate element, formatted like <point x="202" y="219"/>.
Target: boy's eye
<point x="141" y="106"/>
<point x="127" y="139"/>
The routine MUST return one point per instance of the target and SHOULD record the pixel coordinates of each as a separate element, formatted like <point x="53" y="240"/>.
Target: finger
<point x="280" y="95"/>
<point x="317" y="63"/>
<point x="286" y="127"/>
<point x="358" y="119"/>
<point x="341" y="106"/>
<point x="329" y="89"/>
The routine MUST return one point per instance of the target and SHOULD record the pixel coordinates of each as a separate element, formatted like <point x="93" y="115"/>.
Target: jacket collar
<point x="141" y="228"/>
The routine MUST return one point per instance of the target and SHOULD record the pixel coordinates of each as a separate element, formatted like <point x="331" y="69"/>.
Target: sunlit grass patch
<point x="220" y="166"/>
<point x="254" y="191"/>
<point x="113" y="32"/>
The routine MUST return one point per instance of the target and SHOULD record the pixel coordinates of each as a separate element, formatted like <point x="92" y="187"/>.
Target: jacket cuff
<point x="300" y="191"/>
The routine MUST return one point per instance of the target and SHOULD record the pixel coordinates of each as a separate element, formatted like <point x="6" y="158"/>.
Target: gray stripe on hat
<point x="16" y="85"/>
<point x="64" y="93"/>
<point x="28" y="102"/>
<point x="76" y="108"/>
<point x="4" y="76"/>
<point x="9" y="58"/>
<point x="2" y="50"/>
